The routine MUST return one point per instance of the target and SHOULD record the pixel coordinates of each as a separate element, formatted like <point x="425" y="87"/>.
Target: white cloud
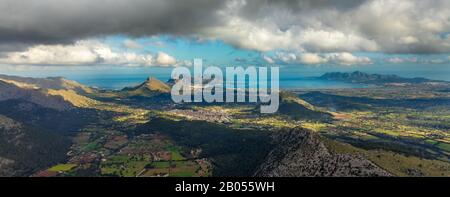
<point x="131" y="44"/>
<point x="348" y="59"/>
<point x="186" y="63"/>
<point x="390" y="26"/>
<point x="78" y="53"/>
<point x="286" y="57"/>
<point x="269" y="60"/>
<point x="165" y="59"/>
<point x="409" y="40"/>
<point x="87" y="52"/>
<point x="398" y="60"/>
<point x="436" y="61"/>
<point x="266" y="35"/>
<point x="331" y="41"/>
<point x="312" y="58"/>
<point x="343" y="58"/>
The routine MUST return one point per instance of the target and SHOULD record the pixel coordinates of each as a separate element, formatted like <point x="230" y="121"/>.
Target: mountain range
<point x="365" y="78"/>
<point x="41" y="117"/>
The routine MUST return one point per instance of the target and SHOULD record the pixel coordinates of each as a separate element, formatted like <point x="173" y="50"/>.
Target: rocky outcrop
<point x="6" y="167"/>
<point x="301" y="153"/>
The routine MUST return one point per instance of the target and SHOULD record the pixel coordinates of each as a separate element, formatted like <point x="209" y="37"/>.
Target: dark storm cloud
<point x="392" y="26"/>
<point x="302" y="5"/>
<point x="257" y="9"/>
<point x="62" y="21"/>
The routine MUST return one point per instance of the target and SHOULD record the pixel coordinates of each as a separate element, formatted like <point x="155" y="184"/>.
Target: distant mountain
<point x="360" y="77"/>
<point x="55" y="92"/>
<point x="171" y="82"/>
<point x="151" y="87"/>
<point x="56" y="83"/>
<point x="10" y="90"/>
<point x="36" y="116"/>
<point x="294" y="107"/>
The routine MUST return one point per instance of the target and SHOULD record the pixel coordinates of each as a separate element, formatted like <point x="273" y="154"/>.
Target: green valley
<point x="385" y="130"/>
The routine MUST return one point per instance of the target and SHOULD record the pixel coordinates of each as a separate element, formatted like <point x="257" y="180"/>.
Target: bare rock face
<point x="6" y="167"/>
<point x="301" y="153"/>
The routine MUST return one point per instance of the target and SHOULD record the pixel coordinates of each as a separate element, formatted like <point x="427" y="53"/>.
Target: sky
<point x="97" y="35"/>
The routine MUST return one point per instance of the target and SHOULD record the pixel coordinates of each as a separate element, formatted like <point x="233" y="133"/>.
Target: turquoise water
<point x="295" y="77"/>
<point x="121" y="81"/>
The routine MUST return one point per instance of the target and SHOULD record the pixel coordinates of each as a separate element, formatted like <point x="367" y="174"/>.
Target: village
<point x="112" y="153"/>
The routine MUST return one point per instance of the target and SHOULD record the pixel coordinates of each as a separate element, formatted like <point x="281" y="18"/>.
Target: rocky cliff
<point x="302" y="153"/>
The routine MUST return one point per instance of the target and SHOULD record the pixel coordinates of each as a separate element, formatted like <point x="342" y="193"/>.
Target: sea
<point x="290" y="77"/>
<point x="121" y="81"/>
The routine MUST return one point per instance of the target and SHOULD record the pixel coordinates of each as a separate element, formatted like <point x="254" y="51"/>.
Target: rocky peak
<point x="302" y="153"/>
